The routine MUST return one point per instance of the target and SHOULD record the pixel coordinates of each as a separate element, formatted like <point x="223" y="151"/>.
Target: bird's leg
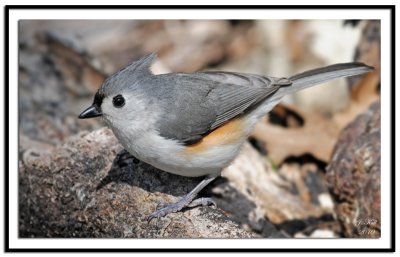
<point x="185" y="201"/>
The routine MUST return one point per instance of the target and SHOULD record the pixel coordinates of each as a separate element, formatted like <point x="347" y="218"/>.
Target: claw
<point x="157" y="214"/>
<point x="166" y="209"/>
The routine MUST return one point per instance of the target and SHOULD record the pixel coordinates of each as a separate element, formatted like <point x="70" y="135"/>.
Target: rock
<point x="76" y="191"/>
<point x="353" y="175"/>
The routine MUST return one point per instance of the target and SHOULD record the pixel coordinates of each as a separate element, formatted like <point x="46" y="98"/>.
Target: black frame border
<point x="7" y="9"/>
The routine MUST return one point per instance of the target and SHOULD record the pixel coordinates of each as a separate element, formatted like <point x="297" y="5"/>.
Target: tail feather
<point x="317" y="76"/>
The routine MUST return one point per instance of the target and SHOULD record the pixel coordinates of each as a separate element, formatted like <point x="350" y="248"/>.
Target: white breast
<point x="170" y="156"/>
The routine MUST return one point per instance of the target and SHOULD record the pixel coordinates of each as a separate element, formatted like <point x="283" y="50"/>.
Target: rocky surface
<point x="76" y="191"/>
<point x="354" y="175"/>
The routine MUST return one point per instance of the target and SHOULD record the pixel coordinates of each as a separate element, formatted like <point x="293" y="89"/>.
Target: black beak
<point x="92" y="111"/>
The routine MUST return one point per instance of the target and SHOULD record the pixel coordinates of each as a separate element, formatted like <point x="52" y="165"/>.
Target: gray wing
<point x="201" y="102"/>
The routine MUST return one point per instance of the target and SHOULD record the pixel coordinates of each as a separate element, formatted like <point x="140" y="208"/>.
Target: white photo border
<point x="14" y="14"/>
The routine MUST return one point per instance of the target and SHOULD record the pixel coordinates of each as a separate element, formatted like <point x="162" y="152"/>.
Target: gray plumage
<point x="146" y="111"/>
<point x="197" y="103"/>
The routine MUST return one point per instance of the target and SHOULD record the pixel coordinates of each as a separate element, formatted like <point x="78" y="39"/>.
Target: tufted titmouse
<point x="194" y="124"/>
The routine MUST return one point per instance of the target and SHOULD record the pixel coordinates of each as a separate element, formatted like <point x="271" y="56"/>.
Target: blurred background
<point x="63" y="62"/>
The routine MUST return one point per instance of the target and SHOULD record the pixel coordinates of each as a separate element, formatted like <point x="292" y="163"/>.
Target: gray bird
<point x="194" y="124"/>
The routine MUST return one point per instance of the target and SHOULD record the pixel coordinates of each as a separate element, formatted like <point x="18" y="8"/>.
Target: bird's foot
<point x="165" y="208"/>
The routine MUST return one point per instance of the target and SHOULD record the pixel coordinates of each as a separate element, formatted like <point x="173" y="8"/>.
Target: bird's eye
<point x="118" y="101"/>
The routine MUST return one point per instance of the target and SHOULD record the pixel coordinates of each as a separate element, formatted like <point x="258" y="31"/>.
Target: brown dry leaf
<point x="317" y="136"/>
